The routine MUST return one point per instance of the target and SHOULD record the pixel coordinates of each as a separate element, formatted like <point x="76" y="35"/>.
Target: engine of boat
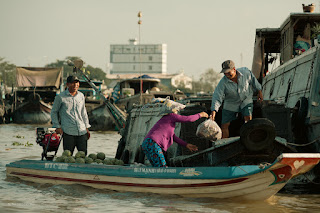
<point x="47" y="137"/>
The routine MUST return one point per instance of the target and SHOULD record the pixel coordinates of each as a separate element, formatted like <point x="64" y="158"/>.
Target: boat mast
<point x="139" y="24"/>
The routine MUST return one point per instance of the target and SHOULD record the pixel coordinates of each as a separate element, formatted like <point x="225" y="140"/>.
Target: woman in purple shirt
<point x="161" y="137"/>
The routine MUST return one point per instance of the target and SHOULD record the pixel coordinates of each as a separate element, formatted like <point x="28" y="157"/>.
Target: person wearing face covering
<point x="161" y="136"/>
<point x="236" y="90"/>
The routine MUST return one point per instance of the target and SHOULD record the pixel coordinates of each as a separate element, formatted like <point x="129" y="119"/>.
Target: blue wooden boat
<point x="253" y="182"/>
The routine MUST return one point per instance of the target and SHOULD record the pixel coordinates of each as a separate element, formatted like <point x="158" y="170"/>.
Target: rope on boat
<point x="264" y="165"/>
<point x="242" y="169"/>
<point x="311" y="181"/>
<point x="315" y="140"/>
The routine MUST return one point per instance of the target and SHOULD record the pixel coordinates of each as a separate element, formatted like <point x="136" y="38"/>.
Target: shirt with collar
<point x="235" y="95"/>
<point x="72" y="113"/>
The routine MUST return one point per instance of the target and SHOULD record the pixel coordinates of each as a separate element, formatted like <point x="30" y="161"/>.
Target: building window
<point x="134" y="67"/>
<point x="150" y="58"/>
<point x="150" y="67"/>
<point x="134" y="58"/>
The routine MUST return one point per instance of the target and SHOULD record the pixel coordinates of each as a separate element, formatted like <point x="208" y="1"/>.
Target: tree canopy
<point x="7" y="72"/>
<point x="94" y="73"/>
<point x="207" y="83"/>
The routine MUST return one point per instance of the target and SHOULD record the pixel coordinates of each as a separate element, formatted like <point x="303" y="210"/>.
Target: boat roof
<point x="45" y="77"/>
<point x="85" y="84"/>
<point x="296" y="21"/>
<point x="145" y="78"/>
<point x="309" y="17"/>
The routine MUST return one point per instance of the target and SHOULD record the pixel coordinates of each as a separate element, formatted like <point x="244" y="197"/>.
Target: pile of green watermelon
<point x="80" y="157"/>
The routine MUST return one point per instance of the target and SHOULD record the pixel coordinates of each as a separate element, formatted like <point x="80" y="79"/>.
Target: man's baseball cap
<point x="227" y="65"/>
<point x="72" y="78"/>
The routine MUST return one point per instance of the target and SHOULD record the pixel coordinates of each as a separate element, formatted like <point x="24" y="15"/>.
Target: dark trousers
<point x="71" y="141"/>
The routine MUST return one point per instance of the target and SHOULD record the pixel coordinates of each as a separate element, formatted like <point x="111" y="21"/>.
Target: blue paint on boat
<point x="143" y="172"/>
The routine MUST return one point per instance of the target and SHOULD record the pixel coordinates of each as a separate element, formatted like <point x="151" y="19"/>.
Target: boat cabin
<point x="295" y="36"/>
<point x="132" y="86"/>
<point x="44" y="81"/>
<point x="88" y="91"/>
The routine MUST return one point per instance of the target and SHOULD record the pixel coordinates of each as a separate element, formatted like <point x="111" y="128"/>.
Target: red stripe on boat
<point x="132" y="184"/>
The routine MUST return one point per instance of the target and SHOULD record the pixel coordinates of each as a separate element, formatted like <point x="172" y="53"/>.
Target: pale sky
<point x="200" y="34"/>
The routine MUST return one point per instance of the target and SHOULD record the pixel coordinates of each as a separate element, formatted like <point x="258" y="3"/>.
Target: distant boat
<point x="2" y="109"/>
<point x="35" y="93"/>
<point x="99" y="117"/>
<point x="127" y="92"/>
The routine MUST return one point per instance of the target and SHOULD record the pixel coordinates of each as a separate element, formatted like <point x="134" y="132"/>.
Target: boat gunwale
<point x="145" y="171"/>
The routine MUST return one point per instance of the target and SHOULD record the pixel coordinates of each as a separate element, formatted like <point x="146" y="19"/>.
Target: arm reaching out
<point x="191" y="147"/>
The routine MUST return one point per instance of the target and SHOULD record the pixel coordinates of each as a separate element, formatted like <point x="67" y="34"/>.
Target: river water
<point x="21" y="196"/>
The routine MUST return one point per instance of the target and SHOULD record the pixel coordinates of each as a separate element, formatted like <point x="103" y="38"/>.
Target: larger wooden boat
<point x="287" y="61"/>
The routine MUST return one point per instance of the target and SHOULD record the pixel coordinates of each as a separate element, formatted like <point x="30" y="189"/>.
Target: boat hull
<point x="100" y="119"/>
<point x="245" y="182"/>
<point x="32" y="113"/>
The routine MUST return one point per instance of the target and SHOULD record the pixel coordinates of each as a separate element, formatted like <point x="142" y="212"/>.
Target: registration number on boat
<point x="55" y="166"/>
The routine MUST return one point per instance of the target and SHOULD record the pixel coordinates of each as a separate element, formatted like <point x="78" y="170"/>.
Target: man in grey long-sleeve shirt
<point x="236" y="90"/>
<point x="69" y="116"/>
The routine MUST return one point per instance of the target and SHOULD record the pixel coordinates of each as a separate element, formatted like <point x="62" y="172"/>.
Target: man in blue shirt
<point x="236" y="90"/>
<point x="69" y="117"/>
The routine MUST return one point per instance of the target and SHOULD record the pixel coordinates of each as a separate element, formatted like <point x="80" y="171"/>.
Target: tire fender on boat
<point x="257" y="134"/>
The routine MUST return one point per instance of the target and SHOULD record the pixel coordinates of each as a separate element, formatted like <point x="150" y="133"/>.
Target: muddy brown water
<point x="21" y="196"/>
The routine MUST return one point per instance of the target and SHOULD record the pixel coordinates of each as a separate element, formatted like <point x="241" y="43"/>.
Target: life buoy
<point x="257" y="134"/>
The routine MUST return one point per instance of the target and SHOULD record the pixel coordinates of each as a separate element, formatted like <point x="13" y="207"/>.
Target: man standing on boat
<point x="70" y="117"/>
<point x="236" y="90"/>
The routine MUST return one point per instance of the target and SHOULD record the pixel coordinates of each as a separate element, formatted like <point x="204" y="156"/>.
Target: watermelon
<point x="118" y="162"/>
<point x="60" y="159"/>
<point x="67" y="153"/>
<point x="80" y="160"/>
<point x="98" y="161"/>
<point x="88" y="160"/>
<point x="80" y="154"/>
<point x="101" y="156"/>
<point x="70" y="159"/>
<point x="108" y="161"/>
<point x="93" y="156"/>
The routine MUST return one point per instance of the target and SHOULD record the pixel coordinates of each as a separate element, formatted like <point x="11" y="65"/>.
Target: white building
<point x="127" y="59"/>
<point x="181" y="79"/>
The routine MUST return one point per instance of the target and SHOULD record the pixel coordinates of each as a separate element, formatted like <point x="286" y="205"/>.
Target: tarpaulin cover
<point x="258" y="57"/>
<point x="38" y="77"/>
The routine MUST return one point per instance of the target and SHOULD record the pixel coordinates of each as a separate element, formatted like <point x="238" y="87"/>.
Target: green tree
<point x="93" y="73"/>
<point x="97" y="74"/>
<point x="7" y="73"/>
<point x="209" y="80"/>
<point x="67" y="70"/>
